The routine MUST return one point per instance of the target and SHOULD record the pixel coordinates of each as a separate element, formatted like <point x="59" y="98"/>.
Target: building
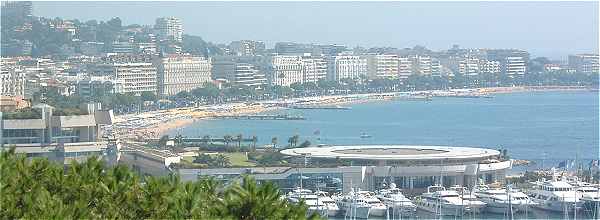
<point x="12" y="103"/>
<point x="137" y="73"/>
<point x="17" y="9"/>
<point x="585" y="63"/>
<point x="348" y="67"/>
<point x="290" y="48"/>
<point x="469" y="66"/>
<point x="12" y="80"/>
<point x="147" y="161"/>
<point x="246" y="48"/>
<point x="287" y="70"/>
<point x="489" y="66"/>
<point x="98" y="86"/>
<point x="169" y="28"/>
<point x="405" y="68"/>
<point x="181" y="73"/>
<point x="512" y="62"/>
<point x="122" y="47"/>
<point x="314" y="68"/>
<point x="248" y="75"/>
<point x="411" y="168"/>
<point x="421" y="65"/>
<point x="62" y="138"/>
<point x="382" y="66"/>
<point x="515" y="66"/>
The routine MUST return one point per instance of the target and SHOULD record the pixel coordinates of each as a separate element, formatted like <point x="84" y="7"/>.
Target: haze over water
<point x="554" y="126"/>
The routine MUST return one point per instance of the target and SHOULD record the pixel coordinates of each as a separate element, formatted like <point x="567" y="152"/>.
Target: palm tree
<point x="239" y="138"/>
<point x="222" y="160"/>
<point x="206" y="140"/>
<point x="254" y="140"/>
<point x="227" y="139"/>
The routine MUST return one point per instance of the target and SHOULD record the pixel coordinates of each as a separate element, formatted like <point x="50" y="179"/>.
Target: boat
<point x="309" y="198"/>
<point x="474" y="204"/>
<point x="393" y="198"/>
<point x="555" y="195"/>
<point x="589" y="194"/>
<point x="352" y="205"/>
<point x="365" y="135"/>
<point x="500" y="200"/>
<point x="377" y="209"/>
<point x="442" y="202"/>
<point x="331" y="208"/>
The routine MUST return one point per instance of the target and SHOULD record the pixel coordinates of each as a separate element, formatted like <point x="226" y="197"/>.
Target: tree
<point x="274" y="142"/>
<point x="254" y="140"/>
<point x="162" y="142"/>
<point x="227" y="139"/>
<point x="206" y="140"/>
<point x="306" y="143"/>
<point x="222" y="160"/>
<point x="239" y="139"/>
<point x="148" y="96"/>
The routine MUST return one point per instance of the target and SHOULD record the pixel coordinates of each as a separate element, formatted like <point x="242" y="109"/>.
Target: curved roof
<point x="393" y="152"/>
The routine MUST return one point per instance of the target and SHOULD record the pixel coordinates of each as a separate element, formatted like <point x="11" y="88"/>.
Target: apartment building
<point x="348" y="67"/>
<point x="383" y="66"/>
<point x="585" y="63"/>
<point x="287" y="70"/>
<point x="405" y="68"/>
<point x="181" y="73"/>
<point x="169" y="28"/>
<point x="12" y="79"/>
<point x="248" y="75"/>
<point x="314" y="68"/>
<point x="137" y="73"/>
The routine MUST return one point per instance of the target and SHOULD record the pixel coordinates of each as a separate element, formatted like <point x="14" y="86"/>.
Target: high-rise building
<point x="169" y="28"/>
<point x="382" y="66"/>
<point x="489" y="66"/>
<point x="137" y="73"/>
<point x="287" y="70"/>
<point x="12" y="79"/>
<point x="421" y="65"/>
<point x="515" y="66"/>
<point x="584" y="63"/>
<point x="512" y="62"/>
<point x="181" y="73"/>
<point x="17" y="9"/>
<point x="469" y="66"/>
<point x="348" y="67"/>
<point x="314" y="68"/>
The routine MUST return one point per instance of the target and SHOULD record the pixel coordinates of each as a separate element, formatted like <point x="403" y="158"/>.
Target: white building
<point x="248" y="75"/>
<point x="181" y="73"/>
<point x="287" y="70"/>
<point x="12" y="79"/>
<point x="469" y="66"/>
<point x="489" y="66"/>
<point x="315" y="68"/>
<point x="585" y="63"/>
<point x="422" y="65"/>
<point x="348" y="67"/>
<point x="405" y="68"/>
<point x="383" y="66"/>
<point x="138" y="74"/>
<point x="169" y="28"/>
<point x="515" y="66"/>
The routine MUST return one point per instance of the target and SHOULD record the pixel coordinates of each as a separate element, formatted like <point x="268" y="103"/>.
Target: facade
<point x="411" y="168"/>
<point x="147" y="161"/>
<point x="348" y="67"/>
<point x="246" y="48"/>
<point x="248" y="75"/>
<point x="60" y="138"/>
<point x="515" y="66"/>
<point x="17" y="9"/>
<point x="422" y="65"/>
<point x="287" y="70"/>
<point x="181" y="73"/>
<point x="138" y="74"/>
<point x="169" y="28"/>
<point x="12" y="80"/>
<point x="489" y="66"/>
<point x="314" y="68"/>
<point x="585" y="63"/>
<point x="405" y="68"/>
<point x="99" y="86"/>
<point x="469" y="66"/>
<point x="383" y="66"/>
<point x="512" y="62"/>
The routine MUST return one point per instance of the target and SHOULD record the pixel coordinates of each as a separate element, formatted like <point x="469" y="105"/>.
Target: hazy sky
<point x="552" y="29"/>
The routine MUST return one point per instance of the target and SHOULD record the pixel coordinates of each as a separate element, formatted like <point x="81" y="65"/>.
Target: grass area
<point x="236" y="159"/>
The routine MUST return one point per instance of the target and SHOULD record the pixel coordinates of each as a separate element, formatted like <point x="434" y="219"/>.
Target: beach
<point x="156" y="123"/>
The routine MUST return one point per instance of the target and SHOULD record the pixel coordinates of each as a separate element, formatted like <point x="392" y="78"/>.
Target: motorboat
<point x="474" y="204"/>
<point x="555" y="195"/>
<point x="353" y="205"/>
<point x="442" y="202"/>
<point x="393" y="198"/>
<point x="309" y="198"/>
<point x="378" y="209"/>
<point x="331" y="208"/>
<point x="500" y="200"/>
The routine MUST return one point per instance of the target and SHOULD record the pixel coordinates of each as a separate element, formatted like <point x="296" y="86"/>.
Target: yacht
<point x="474" y="204"/>
<point x="393" y="198"/>
<point x="555" y="195"/>
<point x="353" y="205"/>
<point x="442" y="202"/>
<point x="377" y="209"/>
<point x="310" y="199"/>
<point x="499" y="199"/>
<point x="589" y="194"/>
<point x="328" y="203"/>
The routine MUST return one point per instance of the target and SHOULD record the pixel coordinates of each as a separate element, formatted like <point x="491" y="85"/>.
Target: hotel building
<point x="181" y="73"/>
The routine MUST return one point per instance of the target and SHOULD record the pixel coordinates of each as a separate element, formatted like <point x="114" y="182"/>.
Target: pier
<point x="320" y="107"/>
<point x="261" y="117"/>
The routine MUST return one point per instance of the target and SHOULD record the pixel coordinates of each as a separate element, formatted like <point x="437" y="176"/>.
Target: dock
<point x="261" y="117"/>
<point x="320" y="107"/>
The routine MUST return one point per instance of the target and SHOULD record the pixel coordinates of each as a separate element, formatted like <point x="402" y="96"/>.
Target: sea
<point x="547" y="128"/>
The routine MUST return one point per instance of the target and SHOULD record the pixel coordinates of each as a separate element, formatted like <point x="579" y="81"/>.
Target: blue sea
<point x="545" y="127"/>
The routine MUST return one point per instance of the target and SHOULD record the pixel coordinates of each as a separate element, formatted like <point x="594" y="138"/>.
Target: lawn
<point x="236" y="158"/>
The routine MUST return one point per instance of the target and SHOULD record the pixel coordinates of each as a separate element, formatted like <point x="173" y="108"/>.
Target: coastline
<point x="158" y="123"/>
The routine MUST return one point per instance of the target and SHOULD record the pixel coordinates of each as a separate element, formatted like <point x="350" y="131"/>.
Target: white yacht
<point x="474" y="204"/>
<point x="353" y="205"/>
<point x="442" y="202"/>
<point x="555" y="195"/>
<point x="328" y="203"/>
<point x="393" y="198"/>
<point x="310" y="199"/>
<point x="589" y="194"/>
<point x="499" y="200"/>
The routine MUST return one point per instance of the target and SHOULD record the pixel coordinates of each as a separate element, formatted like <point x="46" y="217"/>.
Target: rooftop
<point x="393" y="152"/>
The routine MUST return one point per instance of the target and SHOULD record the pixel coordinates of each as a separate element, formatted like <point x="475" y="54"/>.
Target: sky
<point x="551" y="29"/>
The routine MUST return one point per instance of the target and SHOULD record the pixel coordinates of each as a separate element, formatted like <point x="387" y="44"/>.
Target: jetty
<point x="320" y="107"/>
<point x="261" y="117"/>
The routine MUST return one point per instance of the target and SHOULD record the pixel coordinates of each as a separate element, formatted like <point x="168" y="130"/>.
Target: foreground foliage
<point x="40" y="189"/>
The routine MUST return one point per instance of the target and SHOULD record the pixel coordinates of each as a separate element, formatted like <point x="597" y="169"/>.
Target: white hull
<point x="359" y="212"/>
<point x="447" y="209"/>
<point x="557" y="206"/>
<point x="378" y="212"/>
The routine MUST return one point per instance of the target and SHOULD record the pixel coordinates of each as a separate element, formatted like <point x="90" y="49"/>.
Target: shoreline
<point x="158" y="123"/>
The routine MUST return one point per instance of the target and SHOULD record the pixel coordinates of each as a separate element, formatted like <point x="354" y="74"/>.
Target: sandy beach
<point x="157" y="123"/>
